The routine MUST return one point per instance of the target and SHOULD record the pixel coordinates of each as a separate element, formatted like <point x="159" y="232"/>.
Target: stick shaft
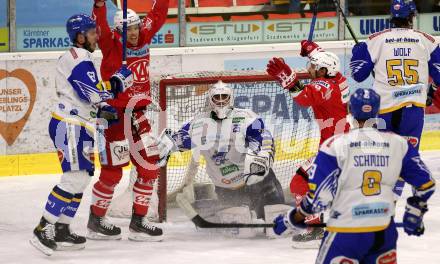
<point x="313" y="23"/>
<point x="344" y="17"/>
<point x="124" y="32"/>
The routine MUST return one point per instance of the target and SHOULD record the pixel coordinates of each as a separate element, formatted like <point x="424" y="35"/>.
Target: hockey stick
<point x="338" y="6"/>
<point x="313" y="23"/>
<point x="124" y="32"/>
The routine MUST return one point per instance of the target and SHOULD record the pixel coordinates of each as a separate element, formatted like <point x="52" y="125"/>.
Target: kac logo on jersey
<point x="140" y="70"/>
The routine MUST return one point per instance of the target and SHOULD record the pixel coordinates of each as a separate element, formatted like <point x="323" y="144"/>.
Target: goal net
<point x="183" y="96"/>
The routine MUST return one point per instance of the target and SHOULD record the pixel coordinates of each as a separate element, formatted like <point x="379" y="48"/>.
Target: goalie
<point x="238" y="151"/>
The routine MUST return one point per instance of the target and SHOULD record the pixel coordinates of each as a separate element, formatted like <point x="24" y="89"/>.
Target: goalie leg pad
<point x="270" y="213"/>
<point x="240" y="214"/>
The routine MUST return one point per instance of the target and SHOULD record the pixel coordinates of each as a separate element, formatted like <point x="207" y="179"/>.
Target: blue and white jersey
<point x="224" y="143"/>
<point x="354" y="175"/>
<point x="78" y="87"/>
<point x="402" y="61"/>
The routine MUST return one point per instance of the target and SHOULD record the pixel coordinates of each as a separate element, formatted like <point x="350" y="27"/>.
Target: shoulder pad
<point x="374" y="35"/>
<point x="426" y="35"/>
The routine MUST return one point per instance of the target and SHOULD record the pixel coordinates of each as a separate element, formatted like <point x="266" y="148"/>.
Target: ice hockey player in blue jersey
<point x="402" y="60"/>
<point x="82" y="98"/>
<point x="353" y="176"/>
<point x="238" y="149"/>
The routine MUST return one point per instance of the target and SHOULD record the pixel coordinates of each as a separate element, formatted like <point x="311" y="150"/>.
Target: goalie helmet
<point x="221" y="99"/>
<point x="328" y="60"/>
<point x="132" y="19"/>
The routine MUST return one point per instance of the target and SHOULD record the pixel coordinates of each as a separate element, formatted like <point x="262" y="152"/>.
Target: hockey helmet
<point x="132" y="19"/>
<point x="328" y="60"/>
<point x="364" y="104"/>
<point x="403" y="8"/>
<point x="221" y="99"/>
<point x="80" y="23"/>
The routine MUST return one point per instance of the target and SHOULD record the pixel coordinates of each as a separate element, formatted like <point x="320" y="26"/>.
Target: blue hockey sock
<point x="56" y="204"/>
<point x="69" y="213"/>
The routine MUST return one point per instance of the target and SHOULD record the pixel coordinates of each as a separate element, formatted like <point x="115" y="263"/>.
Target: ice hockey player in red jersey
<point x="133" y="141"/>
<point x="327" y="94"/>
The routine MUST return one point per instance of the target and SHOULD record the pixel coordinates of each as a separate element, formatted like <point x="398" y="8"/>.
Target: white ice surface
<point x="22" y="200"/>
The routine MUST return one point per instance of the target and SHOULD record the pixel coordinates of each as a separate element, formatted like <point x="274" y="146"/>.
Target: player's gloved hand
<point x="359" y="47"/>
<point x="413" y="217"/>
<point x="99" y="3"/>
<point x="256" y="166"/>
<point x="166" y="146"/>
<point x="107" y="112"/>
<point x="278" y="69"/>
<point x="121" y="80"/>
<point x="283" y="222"/>
<point x="433" y="96"/>
<point x="309" y="48"/>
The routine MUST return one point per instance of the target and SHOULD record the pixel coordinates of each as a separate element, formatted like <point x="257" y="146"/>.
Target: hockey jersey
<point x="354" y="174"/>
<point x="78" y="87"/>
<point x="224" y="143"/>
<point x="138" y="57"/>
<point x="402" y="61"/>
<point x="328" y="98"/>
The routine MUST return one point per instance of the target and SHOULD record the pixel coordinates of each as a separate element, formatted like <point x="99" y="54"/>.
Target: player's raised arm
<point x="105" y="32"/>
<point x="155" y="19"/>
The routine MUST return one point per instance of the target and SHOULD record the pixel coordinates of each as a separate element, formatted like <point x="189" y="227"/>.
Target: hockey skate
<point x="44" y="237"/>
<point x="98" y="228"/>
<point x="310" y="239"/>
<point x="142" y="230"/>
<point x="66" y="239"/>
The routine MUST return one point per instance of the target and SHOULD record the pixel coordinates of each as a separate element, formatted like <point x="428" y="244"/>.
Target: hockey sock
<point x="142" y="192"/>
<point x="71" y="209"/>
<point x="57" y="202"/>
<point x="102" y="195"/>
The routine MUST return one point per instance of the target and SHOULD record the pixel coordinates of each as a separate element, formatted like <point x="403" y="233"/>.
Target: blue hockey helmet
<point x="80" y="23"/>
<point x="364" y="104"/>
<point x="402" y="8"/>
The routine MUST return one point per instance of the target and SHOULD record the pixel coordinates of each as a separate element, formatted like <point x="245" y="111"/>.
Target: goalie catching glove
<point x="278" y="69"/>
<point x="256" y="166"/>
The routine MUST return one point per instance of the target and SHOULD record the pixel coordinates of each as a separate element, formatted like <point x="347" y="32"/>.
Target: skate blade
<point x="66" y="246"/>
<point x="38" y="245"/>
<point x="313" y="244"/>
<point x="97" y="236"/>
<point x="141" y="237"/>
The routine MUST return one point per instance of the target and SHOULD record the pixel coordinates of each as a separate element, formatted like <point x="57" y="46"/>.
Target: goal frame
<point x="178" y="82"/>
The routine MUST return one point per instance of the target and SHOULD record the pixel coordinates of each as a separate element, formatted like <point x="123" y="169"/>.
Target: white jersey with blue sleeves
<point x="402" y="61"/>
<point x="78" y="87"/>
<point x="224" y="143"/>
<point x="354" y="175"/>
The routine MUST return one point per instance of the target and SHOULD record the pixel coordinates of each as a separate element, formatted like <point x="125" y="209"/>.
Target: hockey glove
<point x="256" y="166"/>
<point x="283" y="222"/>
<point x="107" y="112"/>
<point x="433" y="96"/>
<point x="278" y="69"/>
<point x="309" y="48"/>
<point x="413" y="217"/>
<point x="167" y="145"/>
<point x="121" y="80"/>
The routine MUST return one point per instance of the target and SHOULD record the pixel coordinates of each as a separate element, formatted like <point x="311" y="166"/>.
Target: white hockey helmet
<point x="221" y="99"/>
<point x="328" y="60"/>
<point x="132" y="19"/>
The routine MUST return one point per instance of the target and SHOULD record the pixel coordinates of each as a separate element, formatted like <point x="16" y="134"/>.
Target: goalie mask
<point x="221" y="99"/>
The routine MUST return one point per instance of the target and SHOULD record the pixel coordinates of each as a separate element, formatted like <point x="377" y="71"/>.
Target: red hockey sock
<point x="102" y="195"/>
<point x="142" y="192"/>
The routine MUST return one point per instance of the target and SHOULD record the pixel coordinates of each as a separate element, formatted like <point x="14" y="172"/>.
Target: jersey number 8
<point x="371" y="183"/>
<point x="401" y="72"/>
